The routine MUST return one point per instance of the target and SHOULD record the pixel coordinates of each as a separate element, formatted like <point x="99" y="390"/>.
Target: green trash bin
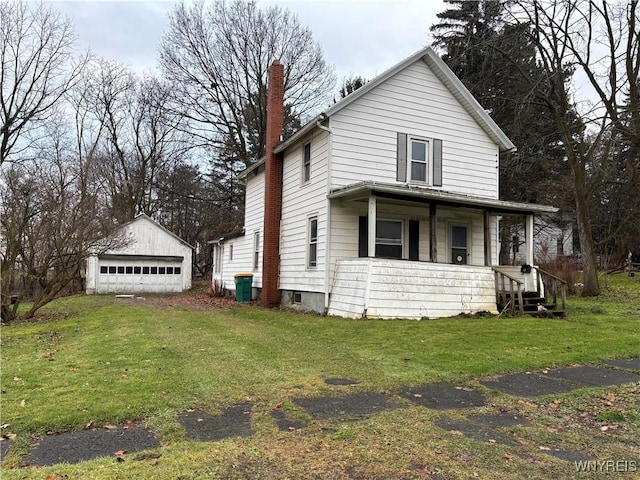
<point x="244" y="284"/>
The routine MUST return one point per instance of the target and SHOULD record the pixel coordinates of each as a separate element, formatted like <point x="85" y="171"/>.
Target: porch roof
<point x="422" y="194"/>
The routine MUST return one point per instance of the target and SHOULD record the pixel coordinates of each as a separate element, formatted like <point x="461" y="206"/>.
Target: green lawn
<point x="107" y="361"/>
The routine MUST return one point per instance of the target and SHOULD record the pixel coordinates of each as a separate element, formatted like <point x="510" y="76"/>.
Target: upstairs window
<point x="306" y="163"/>
<point x="419" y="160"/>
<point x="418" y="154"/>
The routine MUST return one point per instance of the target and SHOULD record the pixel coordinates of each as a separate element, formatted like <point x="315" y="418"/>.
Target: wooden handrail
<point x="555" y="281"/>
<point x="501" y="295"/>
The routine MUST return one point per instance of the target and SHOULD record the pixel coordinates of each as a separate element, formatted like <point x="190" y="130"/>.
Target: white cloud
<point x="358" y="37"/>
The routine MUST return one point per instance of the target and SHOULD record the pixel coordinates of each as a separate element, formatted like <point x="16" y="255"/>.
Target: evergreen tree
<point x="474" y="37"/>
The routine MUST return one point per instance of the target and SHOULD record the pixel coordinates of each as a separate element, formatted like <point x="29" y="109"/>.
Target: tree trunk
<point x="591" y="286"/>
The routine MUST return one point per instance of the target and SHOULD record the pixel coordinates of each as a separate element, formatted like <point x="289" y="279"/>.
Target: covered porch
<point x="418" y="252"/>
<point x="386" y="288"/>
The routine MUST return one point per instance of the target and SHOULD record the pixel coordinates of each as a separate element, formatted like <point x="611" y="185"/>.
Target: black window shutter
<point x="401" y="167"/>
<point x="437" y="162"/>
<point x="363" y="237"/>
<point x="414" y="238"/>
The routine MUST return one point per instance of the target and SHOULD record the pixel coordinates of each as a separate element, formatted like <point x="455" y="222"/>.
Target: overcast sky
<point x="357" y="36"/>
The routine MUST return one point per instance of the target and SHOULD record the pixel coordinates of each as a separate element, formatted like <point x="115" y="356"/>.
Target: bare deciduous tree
<point x="600" y="41"/>
<point x="49" y="227"/>
<point x="38" y="68"/>
<point x="132" y="135"/>
<point x="217" y="55"/>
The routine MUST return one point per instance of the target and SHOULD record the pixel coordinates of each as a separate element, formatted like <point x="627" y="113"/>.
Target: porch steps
<point x="532" y="303"/>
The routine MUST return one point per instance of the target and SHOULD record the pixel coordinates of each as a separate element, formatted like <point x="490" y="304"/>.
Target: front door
<point x="459" y="244"/>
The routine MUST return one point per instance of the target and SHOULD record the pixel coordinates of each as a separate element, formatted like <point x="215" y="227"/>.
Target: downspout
<point x="327" y="246"/>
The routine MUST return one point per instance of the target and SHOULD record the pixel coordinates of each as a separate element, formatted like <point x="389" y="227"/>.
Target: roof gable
<point x="145" y="218"/>
<point x="444" y="74"/>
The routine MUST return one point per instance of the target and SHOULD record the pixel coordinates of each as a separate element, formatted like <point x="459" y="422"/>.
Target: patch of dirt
<point x="198" y="298"/>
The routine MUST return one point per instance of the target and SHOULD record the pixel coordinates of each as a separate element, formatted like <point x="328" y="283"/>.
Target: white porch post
<point x="487" y="238"/>
<point x="433" y="233"/>
<point x="371" y="230"/>
<point x="529" y="242"/>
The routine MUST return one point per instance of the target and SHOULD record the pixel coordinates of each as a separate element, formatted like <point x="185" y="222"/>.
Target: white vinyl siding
<point x="299" y="202"/>
<point x="414" y="102"/>
<point x="242" y="261"/>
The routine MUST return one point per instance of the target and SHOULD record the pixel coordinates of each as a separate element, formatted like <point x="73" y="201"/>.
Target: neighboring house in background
<point x="153" y="260"/>
<point x="553" y="240"/>
<point x="386" y="205"/>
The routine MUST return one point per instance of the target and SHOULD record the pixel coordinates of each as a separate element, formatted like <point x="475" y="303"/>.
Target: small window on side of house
<point x="306" y="163"/>
<point x="217" y="259"/>
<point x="312" y="252"/>
<point x="297" y="298"/>
<point x="231" y="252"/>
<point x="256" y="250"/>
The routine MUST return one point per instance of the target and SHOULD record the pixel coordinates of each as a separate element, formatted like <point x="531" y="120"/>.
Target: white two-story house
<point x="385" y="205"/>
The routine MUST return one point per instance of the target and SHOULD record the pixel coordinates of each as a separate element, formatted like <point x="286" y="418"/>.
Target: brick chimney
<point x="272" y="186"/>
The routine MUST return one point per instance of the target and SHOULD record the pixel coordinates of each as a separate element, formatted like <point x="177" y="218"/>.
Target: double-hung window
<point x="389" y="238"/>
<point x="306" y="163"/>
<point x="419" y="159"/>
<point x="312" y="253"/>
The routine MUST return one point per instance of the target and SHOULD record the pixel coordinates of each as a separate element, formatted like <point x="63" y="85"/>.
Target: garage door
<point x="139" y="276"/>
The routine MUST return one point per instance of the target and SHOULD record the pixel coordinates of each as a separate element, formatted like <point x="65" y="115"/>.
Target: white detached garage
<point x="154" y="260"/>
